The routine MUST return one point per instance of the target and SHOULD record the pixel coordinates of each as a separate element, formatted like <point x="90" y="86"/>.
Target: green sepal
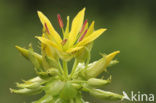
<point x="54" y="87"/>
<point x="68" y="92"/>
<point x="83" y="54"/>
<point x="78" y="99"/>
<point x="44" y="99"/>
<point x="51" y="62"/>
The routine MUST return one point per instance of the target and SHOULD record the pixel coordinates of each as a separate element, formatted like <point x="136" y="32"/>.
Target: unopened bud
<point x="29" y="85"/>
<point x="27" y="91"/>
<point x="25" y="53"/>
<point x="97" y="82"/>
<point x="99" y="66"/>
<point x="105" y="94"/>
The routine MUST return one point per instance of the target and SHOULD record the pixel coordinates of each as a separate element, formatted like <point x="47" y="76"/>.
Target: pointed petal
<point x="76" y="27"/>
<point x="110" y="57"/>
<point x="46" y="41"/>
<point x="74" y="49"/>
<point x="44" y="20"/>
<point x="90" y="29"/>
<point x="91" y="38"/>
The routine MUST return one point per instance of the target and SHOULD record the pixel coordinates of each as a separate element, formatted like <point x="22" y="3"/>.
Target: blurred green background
<point x="131" y="29"/>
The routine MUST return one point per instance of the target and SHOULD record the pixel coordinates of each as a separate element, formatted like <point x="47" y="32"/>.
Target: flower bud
<point x="37" y="65"/>
<point x="97" y="82"/>
<point x="25" y="53"/>
<point x="29" y="85"/>
<point x="36" y="79"/>
<point x="27" y="91"/>
<point x="99" y="66"/>
<point x="49" y="73"/>
<point x="105" y="94"/>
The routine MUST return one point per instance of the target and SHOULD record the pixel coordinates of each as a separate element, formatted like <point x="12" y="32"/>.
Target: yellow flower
<point x="72" y="41"/>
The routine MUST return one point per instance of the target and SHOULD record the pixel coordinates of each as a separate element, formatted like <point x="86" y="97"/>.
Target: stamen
<point x="83" y="35"/>
<point x="60" y="20"/>
<point x="83" y="26"/>
<point x="46" y="27"/>
<point x="64" y="41"/>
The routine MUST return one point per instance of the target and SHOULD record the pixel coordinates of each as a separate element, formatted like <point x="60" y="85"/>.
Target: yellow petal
<point x="76" y="26"/>
<point x="91" y="37"/>
<point x="90" y="29"/>
<point x="48" y="42"/>
<point x="110" y="57"/>
<point x="52" y="31"/>
<point x="74" y="49"/>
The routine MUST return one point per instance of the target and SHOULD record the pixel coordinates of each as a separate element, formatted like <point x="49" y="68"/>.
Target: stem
<point x="88" y="59"/>
<point x="65" y="68"/>
<point x="74" y="68"/>
<point x="60" y="67"/>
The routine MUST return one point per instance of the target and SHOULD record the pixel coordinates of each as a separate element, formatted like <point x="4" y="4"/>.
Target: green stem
<point x="88" y="59"/>
<point x="60" y="67"/>
<point x="65" y="68"/>
<point x="74" y="68"/>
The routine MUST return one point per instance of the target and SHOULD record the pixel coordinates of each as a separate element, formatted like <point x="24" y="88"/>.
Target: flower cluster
<point x="51" y="66"/>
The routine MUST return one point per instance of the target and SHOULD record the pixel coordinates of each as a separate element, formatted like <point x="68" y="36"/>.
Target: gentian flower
<point x="51" y="66"/>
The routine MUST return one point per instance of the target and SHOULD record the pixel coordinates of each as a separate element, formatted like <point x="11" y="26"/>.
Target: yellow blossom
<point x="72" y="41"/>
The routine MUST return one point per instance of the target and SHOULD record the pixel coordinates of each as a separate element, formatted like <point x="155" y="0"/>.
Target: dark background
<point x="131" y="29"/>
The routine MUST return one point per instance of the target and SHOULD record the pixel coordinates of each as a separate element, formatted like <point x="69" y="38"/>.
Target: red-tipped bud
<point x="83" y="35"/>
<point x="83" y="26"/>
<point x="60" y="20"/>
<point x="64" y="41"/>
<point x="46" y="28"/>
